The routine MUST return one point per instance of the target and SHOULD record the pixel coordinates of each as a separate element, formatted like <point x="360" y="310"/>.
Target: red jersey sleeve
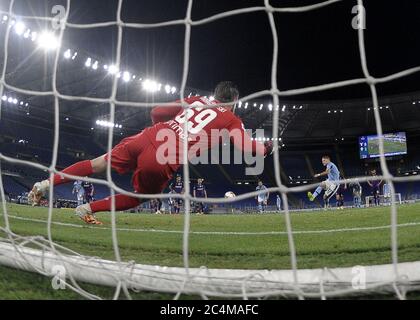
<point x="163" y="114"/>
<point x="242" y="140"/>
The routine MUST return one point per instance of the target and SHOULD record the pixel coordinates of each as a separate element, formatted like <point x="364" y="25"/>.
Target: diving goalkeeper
<point x="140" y="153"/>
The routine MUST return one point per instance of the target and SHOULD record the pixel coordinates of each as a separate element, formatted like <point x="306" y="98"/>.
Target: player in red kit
<point x="156" y="153"/>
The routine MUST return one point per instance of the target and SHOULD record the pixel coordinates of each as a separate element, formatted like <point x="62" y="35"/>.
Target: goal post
<point x="232" y="283"/>
<point x="383" y="200"/>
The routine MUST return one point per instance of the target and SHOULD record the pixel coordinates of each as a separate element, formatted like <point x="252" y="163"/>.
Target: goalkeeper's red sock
<point x="122" y="202"/>
<point x="82" y="169"/>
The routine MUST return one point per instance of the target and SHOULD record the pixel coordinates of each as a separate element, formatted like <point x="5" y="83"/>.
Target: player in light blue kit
<point x="330" y="185"/>
<point x="278" y="203"/>
<point x="262" y="198"/>
<point x="171" y="203"/>
<point x="387" y="194"/>
<point x="79" y="191"/>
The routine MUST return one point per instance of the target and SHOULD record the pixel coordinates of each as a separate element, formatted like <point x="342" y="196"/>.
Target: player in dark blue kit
<point x="199" y="191"/>
<point x="340" y="194"/>
<point x="375" y="186"/>
<point x="177" y="187"/>
<point x="89" y="191"/>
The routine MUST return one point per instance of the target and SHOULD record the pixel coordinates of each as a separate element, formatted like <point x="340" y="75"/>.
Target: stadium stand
<point x="305" y="136"/>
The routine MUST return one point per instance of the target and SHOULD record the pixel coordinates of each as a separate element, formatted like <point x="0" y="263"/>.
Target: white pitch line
<point x="64" y="224"/>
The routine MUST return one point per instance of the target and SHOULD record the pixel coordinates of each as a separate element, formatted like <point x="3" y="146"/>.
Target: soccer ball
<point x="230" y="194"/>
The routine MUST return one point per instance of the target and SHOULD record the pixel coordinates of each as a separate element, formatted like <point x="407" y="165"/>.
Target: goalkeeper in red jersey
<point x="142" y="153"/>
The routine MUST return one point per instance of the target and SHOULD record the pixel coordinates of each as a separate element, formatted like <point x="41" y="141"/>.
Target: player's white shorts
<point x="260" y="200"/>
<point x="331" y="188"/>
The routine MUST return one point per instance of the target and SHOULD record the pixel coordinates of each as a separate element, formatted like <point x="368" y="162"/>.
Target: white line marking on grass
<point x="64" y="224"/>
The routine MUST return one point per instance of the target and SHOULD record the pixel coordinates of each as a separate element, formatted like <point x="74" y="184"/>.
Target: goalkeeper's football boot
<point x="85" y="213"/>
<point x="90" y="219"/>
<point x="38" y="191"/>
<point x="311" y="196"/>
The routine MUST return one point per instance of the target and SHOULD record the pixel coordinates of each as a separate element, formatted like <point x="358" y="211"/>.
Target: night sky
<point x="315" y="47"/>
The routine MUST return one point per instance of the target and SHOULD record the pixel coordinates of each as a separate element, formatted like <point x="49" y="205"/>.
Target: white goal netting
<point x="42" y="255"/>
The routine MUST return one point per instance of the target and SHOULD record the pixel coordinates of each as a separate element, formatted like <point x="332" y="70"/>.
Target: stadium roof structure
<point x="299" y="122"/>
<point x="329" y="120"/>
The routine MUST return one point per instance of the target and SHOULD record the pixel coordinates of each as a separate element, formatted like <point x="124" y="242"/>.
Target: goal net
<point x="45" y="255"/>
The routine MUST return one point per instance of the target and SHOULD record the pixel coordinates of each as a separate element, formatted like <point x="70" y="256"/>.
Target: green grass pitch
<point x="140" y="239"/>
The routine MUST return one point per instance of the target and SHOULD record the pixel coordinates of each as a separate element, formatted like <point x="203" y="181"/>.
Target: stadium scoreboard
<point x="394" y="144"/>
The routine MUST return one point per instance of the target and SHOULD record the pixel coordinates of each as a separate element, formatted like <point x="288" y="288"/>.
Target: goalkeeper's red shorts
<point x="138" y="154"/>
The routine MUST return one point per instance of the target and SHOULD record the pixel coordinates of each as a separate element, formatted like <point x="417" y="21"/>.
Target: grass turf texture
<point x="315" y="250"/>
